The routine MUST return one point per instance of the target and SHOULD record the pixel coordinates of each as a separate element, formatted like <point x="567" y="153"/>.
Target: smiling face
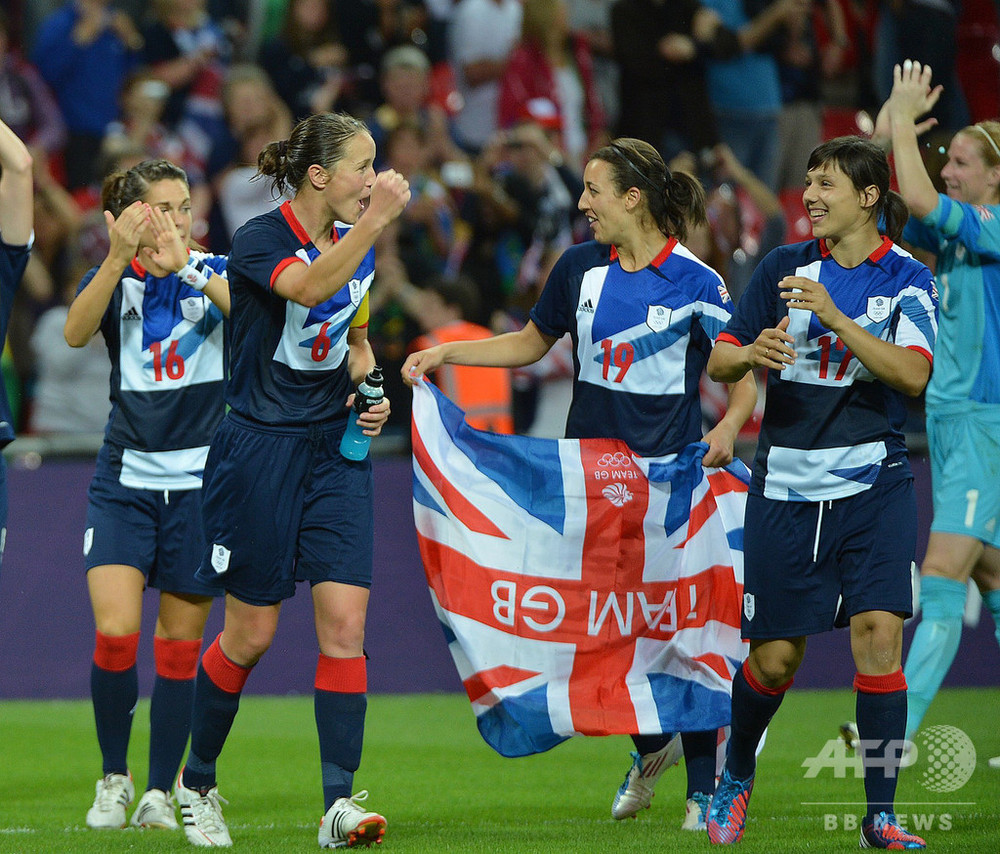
<point x="605" y="209"/>
<point x="836" y="208"/>
<point x="967" y="176"/>
<point x="173" y="197"/>
<point x="350" y="180"/>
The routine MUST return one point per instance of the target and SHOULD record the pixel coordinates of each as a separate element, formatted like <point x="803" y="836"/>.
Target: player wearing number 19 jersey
<point x="640" y="342"/>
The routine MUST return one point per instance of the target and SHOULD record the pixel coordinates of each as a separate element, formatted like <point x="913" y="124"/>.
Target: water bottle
<point x="355" y="443"/>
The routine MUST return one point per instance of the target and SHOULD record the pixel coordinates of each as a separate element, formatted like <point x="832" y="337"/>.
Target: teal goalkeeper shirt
<point x="966" y="239"/>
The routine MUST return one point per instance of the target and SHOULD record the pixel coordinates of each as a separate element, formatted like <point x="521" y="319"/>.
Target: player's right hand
<point x="420" y="363"/>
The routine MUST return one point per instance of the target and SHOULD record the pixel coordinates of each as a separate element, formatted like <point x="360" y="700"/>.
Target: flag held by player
<point x="582" y="590"/>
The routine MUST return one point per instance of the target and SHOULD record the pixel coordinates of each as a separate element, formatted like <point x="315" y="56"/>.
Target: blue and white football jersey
<point x="288" y="361"/>
<point x="13" y="260"/>
<point x="966" y="239"/>
<point x="640" y="342"/>
<point x="166" y="342"/>
<point x="829" y="425"/>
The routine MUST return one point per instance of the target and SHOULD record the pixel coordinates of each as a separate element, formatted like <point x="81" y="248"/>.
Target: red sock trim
<point x="115" y="653"/>
<point x="762" y="689"/>
<point x="225" y="673"/>
<point x="176" y="659"/>
<point x="342" y="675"/>
<point x="880" y="684"/>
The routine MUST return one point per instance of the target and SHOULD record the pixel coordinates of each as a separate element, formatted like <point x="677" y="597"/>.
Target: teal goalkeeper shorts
<point x="965" y="472"/>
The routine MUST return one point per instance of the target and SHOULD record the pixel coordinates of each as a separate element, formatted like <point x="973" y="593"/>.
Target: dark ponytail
<point x="673" y="200"/>
<point x="318" y="139"/>
<point x="121" y="189"/>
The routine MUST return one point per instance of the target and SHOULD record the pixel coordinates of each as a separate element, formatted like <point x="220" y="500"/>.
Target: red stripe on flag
<point x="464" y="510"/>
<point x="480" y="684"/>
<point x="717" y="663"/>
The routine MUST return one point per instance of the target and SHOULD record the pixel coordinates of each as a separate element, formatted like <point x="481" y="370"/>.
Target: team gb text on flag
<point x="582" y="590"/>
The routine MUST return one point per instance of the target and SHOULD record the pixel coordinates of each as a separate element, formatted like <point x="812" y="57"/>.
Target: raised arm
<point x="912" y="97"/>
<point x="16" y="201"/>
<point x="312" y="284"/>
<point x="86" y="311"/>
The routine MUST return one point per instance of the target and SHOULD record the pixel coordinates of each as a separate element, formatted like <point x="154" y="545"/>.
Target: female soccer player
<point x="281" y="502"/>
<point x="845" y="324"/>
<point x="962" y="227"/>
<point x="16" y="216"/>
<point x="642" y="312"/>
<point x="160" y="306"/>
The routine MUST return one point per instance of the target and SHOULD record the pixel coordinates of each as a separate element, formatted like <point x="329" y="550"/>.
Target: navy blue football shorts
<point x="157" y="532"/>
<point x="800" y="557"/>
<point x="283" y="505"/>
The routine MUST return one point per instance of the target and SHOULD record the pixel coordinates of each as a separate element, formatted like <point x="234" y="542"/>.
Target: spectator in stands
<point x="190" y="52"/>
<point x="660" y="46"/>
<point x="255" y="116"/>
<point x="70" y="389"/>
<point x="591" y="21"/>
<point x="481" y="36"/>
<point x="425" y="231"/>
<point x="27" y="105"/>
<point x="749" y="124"/>
<point x="84" y="51"/>
<point x="549" y="62"/>
<point x="307" y="61"/>
<point x="143" y="99"/>
<point x="405" y="86"/>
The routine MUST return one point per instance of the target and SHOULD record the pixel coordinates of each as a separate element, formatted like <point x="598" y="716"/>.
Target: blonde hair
<point x="987" y="135"/>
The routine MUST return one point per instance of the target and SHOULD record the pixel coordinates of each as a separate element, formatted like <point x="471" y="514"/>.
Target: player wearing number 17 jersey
<point x="845" y="325"/>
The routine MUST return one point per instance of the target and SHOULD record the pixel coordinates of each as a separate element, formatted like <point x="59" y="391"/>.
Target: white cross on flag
<point x="582" y="589"/>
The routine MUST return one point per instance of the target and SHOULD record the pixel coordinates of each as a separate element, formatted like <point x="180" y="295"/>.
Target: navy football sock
<point x="216" y="701"/>
<point x="700" y="750"/>
<point x="651" y="743"/>
<point x="340" y="703"/>
<point x="881" y="711"/>
<point x="114" y="691"/>
<point x="753" y="707"/>
<point x="170" y="708"/>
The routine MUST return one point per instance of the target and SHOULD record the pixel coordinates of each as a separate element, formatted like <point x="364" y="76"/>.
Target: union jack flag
<point x="582" y="589"/>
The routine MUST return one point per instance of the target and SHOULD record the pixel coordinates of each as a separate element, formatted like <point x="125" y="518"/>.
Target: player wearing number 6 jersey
<point x="160" y="306"/>
<point x="845" y="325"/>
<point x="642" y="312"/>
<point x="282" y="504"/>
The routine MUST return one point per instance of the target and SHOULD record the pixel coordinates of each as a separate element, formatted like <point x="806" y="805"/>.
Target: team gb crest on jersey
<point x="878" y="308"/>
<point x="193" y="308"/>
<point x="658" y="317"/>
<point x="354" y="289"/>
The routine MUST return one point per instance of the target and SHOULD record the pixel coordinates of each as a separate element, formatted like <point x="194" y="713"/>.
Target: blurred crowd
<point x="488" y="107"/>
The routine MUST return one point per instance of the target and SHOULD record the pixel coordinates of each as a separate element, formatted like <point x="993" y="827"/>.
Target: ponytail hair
<point x="120" y="189"/>
<point x="673" y="199"/>
<point x="318" y="139"/>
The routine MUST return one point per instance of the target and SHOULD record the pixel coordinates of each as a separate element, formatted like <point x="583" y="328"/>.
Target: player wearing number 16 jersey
<point x="160" y="307"/>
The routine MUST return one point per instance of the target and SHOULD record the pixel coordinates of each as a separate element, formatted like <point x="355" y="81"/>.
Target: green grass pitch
<point x="443" y="790"/>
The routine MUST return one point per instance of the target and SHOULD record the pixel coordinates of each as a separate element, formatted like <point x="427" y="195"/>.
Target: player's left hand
<point x="170" y="254"/>
<point x="800" y="292"/>
<point x="373" y="420"/>
<point x="720" y="443"/>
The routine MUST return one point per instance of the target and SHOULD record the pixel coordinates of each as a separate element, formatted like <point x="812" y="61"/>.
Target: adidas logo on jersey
<point x="587" y="305"/>
<point x="132" y="314"/>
